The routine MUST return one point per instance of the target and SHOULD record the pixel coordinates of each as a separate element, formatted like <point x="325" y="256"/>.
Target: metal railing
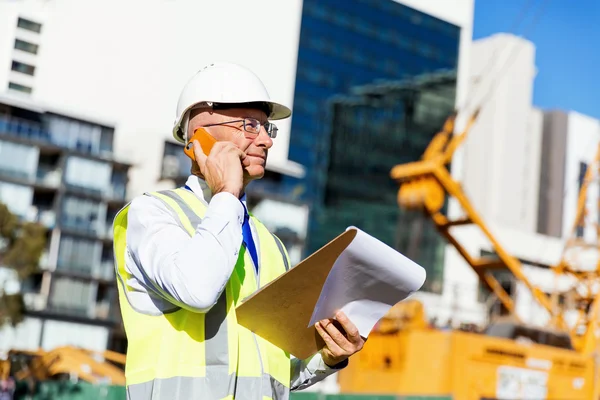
<point x="21" y="128"/>
<point x="92" y="228"/>
<point x="103" y="270"/>
<point x="25" y="129"/>
<point x="15" y="173"/>
<point x="111" y="193"/>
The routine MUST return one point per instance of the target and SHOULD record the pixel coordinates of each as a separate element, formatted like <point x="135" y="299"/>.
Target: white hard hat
<point x="221" y="84"/>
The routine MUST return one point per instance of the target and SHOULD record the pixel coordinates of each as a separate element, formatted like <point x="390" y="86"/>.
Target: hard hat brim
<point x="278" y="111"/>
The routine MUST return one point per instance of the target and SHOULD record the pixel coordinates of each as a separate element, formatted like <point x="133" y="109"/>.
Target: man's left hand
<point x="339" y="346"/>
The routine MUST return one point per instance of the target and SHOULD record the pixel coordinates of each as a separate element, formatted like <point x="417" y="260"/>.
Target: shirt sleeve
<point x="190" y="272"/>
<point x="305" y="373"/>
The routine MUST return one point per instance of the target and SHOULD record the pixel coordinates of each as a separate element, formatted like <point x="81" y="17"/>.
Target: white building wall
<point x="500" y="164"/>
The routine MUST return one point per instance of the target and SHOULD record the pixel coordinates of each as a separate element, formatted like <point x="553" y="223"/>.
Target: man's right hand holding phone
<point x="222" y="169"/>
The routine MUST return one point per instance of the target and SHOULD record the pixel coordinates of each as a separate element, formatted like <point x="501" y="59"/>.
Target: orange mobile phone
<point x="205" y="139"/>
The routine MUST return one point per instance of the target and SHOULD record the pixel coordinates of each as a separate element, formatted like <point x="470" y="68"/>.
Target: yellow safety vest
<point x="187" y="355"/>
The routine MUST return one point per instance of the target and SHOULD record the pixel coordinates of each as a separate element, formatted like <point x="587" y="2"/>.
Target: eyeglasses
<point x="252" y="126"/>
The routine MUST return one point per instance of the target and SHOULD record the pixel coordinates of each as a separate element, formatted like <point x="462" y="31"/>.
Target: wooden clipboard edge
<point x="351" y="231"/>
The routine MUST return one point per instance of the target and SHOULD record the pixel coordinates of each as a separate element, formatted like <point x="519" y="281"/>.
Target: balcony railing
<point x="72" y="267"/>
<point x="97" y="310"/>
<point x="104" y="270"/>
<point x="30" y="130"/>
<point x="15" y="173"/>
<point x="78" y="310"/>
<point x="44" y="176"/>
<point x="21" y="128"/>
<point x="111" y="193"/>
<point x="81" y="225"/>
<point x="85" y="190"/>
<point x="48" y="176"/>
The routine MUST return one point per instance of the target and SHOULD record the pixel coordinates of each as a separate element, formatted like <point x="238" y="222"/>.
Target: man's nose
<point x="263" y="139"/>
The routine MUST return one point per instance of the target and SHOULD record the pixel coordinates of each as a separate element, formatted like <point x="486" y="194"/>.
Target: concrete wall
<point x="552" y="173"/>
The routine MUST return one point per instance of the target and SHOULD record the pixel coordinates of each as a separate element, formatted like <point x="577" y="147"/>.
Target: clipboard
<point x="267" y="311"/>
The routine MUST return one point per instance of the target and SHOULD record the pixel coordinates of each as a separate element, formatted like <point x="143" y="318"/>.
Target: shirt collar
<point x="200" y="188"/>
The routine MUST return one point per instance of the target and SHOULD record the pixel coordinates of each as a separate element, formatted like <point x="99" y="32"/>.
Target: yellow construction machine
<point x="64" y="363"/>
<point x="510" y="359"/>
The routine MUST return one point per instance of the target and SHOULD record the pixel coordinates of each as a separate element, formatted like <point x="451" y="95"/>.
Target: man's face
<point x="257" y="145"/>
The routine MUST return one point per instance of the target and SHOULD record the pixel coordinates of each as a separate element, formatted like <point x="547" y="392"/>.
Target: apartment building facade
<point x="59" y="170"/>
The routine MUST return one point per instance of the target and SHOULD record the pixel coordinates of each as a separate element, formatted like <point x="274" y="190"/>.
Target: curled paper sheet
<point x="366" y="280"/>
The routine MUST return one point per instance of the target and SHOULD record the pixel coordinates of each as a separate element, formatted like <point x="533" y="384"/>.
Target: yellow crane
<point x="87" y="365"/>
<point x="511" y="359"/>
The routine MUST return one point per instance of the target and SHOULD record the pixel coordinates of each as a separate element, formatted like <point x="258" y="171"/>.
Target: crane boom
<point x="425" y="184"/>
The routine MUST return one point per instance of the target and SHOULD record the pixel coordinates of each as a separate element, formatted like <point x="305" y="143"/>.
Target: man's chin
<point x="254" y="172"/>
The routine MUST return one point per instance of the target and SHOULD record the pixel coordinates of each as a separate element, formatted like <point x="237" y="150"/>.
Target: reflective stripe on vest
<point x="209" y="388"/>
<point x="187" y="355"/>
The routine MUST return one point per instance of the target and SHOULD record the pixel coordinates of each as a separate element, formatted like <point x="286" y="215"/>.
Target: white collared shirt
<point x="170" y="269"/>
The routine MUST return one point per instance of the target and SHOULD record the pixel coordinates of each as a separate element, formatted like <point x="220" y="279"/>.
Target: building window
<point x="88" y="175"/>
<point x="23" y="68"/>
<point x="70" y="295"/>
<point x="19" y="88"/>
<point x="78" y="135"/>
<point x="78" y="255"/>
<point x="18" y="160"/>
<point x="17" y="198"/>
<point x="83" y="215"/>
<point x="26" y="46"/>
<point x="29" y="25"/>
<point x="175" y="163"/>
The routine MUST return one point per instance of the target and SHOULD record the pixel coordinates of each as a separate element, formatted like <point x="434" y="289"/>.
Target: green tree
<point x="21" y="246"/>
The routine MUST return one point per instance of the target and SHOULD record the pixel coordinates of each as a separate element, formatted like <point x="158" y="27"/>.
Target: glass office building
<point x="358" y="112"/>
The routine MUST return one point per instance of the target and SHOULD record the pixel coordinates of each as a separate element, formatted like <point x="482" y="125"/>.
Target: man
<point x="186" y="257"/>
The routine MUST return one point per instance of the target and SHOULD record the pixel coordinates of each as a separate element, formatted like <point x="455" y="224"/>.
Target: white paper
<point x="367" y="279"/>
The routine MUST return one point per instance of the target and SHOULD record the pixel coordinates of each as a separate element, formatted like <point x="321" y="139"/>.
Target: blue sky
<point x="567" y="40"/>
